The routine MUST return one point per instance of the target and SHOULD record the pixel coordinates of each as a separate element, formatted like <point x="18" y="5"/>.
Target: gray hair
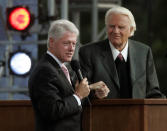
<point x="59" y="27"/>
<point x="124" y="11"/>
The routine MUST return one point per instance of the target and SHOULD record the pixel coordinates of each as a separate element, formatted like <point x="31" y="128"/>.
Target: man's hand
<point x="82" y="89"/>
<point x="101" y="90"/>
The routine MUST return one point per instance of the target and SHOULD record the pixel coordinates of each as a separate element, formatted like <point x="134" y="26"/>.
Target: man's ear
<point x="131" y="29"/>
<point x="51" y="41"/>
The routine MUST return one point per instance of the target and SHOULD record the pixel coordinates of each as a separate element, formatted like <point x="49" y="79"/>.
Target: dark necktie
<point x="120" y="57"/>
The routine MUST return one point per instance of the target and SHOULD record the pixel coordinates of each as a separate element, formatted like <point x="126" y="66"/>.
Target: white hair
<point x="59" y="27"/>
<point x="124" y="11"/>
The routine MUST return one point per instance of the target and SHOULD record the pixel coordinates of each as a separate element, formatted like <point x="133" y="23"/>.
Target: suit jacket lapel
<point x="132" y="61"/>
<point x="59" y="70"/>
<point x="73" y="75"/>
<point x="109" y="63"/>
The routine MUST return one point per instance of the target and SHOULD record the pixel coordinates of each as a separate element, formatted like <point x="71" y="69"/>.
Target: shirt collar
<point x="115" y="52"/>
<point x="55" y="58"/>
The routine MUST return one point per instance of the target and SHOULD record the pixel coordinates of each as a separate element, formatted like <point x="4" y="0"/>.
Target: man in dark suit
<point x="126" y="66"/>
<point x="55" y="93"/>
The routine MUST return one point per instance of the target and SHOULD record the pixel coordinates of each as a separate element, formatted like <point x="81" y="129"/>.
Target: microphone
<point x="76" y="67"/>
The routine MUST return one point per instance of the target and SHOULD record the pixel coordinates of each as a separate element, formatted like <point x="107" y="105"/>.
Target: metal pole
<point x="94" y="20"/>
<point x="150" y="32"/>
<point x="64" y="9"/>
<point x="9" y="48"/>
<point x="51" y="8"/>
<point x="76" y="20"/>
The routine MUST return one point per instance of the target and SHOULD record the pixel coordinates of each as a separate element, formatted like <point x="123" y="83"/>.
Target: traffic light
<point x="19" y="18"/>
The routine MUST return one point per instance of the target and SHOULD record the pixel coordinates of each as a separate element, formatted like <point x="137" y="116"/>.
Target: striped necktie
<point x="66" y="72"/>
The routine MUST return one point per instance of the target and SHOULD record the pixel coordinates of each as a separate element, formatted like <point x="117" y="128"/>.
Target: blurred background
<point x="23" y="40"/>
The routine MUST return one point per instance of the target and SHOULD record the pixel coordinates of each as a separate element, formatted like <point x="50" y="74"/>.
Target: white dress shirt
<point x="115" y="52"/>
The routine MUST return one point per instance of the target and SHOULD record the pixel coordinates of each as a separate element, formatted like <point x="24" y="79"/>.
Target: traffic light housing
<point x="19" y="18"/>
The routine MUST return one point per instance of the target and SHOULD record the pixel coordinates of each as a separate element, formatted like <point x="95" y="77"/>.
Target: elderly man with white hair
<point x="126" y="66"/>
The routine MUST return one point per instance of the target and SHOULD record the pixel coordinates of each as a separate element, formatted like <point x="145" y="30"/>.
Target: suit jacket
<point x="55" y="107"/>
<point x="98" y="65"/>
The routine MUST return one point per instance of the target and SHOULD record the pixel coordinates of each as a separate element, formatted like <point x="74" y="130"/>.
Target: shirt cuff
<point x="78" y="100"/>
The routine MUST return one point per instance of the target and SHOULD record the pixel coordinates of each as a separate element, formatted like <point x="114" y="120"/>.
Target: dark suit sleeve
<point x="153" y="90"/>
<point x="51" y="97"/>
<point x="85" y="62"/>
<point x="86" y="58"/>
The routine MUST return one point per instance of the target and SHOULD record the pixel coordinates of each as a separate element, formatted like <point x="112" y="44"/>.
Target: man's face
<point x="64" y="47"/>
<point x="118" y="30"/>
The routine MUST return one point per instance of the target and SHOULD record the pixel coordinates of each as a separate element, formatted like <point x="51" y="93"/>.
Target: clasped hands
<point x="101" y="90"/>
<point x="83" y="89"/>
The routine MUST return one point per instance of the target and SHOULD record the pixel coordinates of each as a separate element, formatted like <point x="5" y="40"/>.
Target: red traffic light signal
<point x="19" y="18"/>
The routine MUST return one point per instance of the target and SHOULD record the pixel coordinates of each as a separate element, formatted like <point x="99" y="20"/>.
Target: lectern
<point x="126" y="115"/>
<point x="102" y="115"/>
<point x="16" y="115"/>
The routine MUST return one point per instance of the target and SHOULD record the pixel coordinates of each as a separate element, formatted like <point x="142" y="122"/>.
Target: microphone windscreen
<point x="75" y="65"/>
